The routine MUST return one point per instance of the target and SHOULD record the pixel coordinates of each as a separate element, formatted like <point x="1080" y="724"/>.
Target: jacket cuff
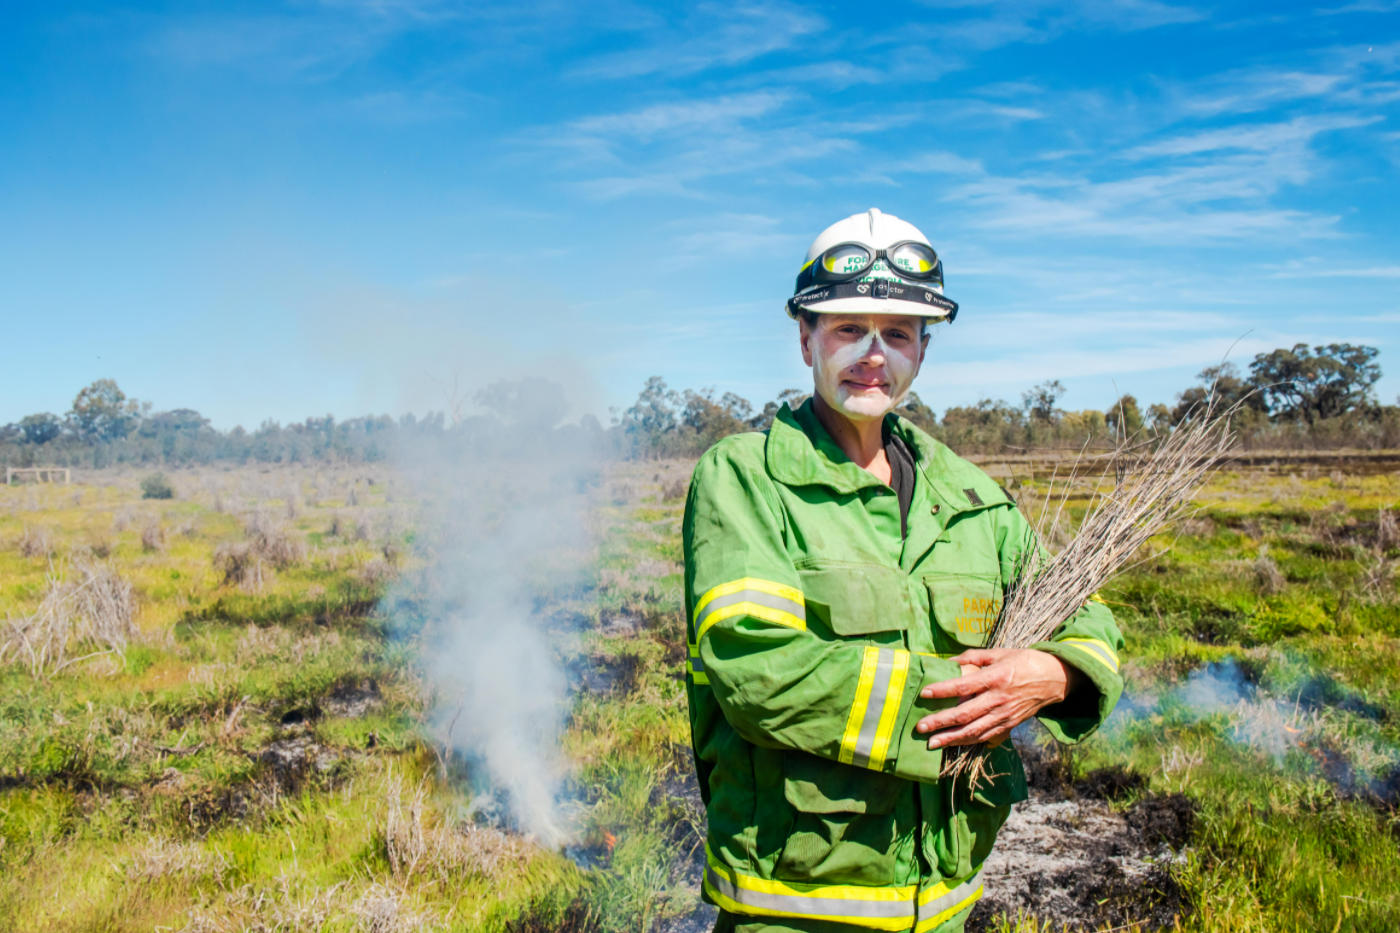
<point x="1079" y="715"/>
<point x="915" y="761"/>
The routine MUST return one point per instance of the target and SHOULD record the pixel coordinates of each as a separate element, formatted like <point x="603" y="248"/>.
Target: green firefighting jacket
<point x="812" y="627"/>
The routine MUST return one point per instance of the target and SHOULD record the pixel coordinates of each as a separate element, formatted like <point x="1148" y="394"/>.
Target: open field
<point x="255" y="752"/>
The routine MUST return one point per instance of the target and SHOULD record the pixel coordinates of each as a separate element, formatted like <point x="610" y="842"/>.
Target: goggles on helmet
<point x="843" y="262"/>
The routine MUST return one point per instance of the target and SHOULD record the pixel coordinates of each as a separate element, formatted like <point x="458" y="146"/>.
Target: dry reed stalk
<point x="1152" y="487"/>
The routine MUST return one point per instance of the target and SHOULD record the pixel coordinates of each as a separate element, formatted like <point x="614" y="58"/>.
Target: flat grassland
<point x="254" y="751"/>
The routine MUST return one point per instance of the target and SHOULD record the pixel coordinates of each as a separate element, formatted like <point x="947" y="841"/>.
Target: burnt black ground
<point x="1067" y="856"/>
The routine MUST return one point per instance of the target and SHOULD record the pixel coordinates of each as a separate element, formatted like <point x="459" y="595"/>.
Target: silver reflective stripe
<point x="1096" y="651"/>
<point x="757" y="597"/>
<point x="952" y="899"/>
<point x="874" y="709"/>
<point x="696" y="664"/>
<point x="798" y="905"/>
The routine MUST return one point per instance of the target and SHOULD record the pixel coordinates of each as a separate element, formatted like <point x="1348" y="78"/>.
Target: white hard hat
<point x="872" y="263"/>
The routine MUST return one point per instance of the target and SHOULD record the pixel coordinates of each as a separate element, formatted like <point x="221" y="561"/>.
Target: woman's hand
<point x="999" y="689"/>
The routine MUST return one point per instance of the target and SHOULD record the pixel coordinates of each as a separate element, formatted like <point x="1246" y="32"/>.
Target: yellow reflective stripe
<point x="875" y="709"/>
<point x="805" y="265"/>
<point x="868" y="666"/>
<point x="695" y="666"/>
<point x="1098" y="650"/>
<point x="943" y="901"/>
<point x="894" y="696"/>
<point x="762" y="599"/>
<point x="874" y="908"/>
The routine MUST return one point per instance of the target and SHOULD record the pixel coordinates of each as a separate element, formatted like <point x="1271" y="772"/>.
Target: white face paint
<point x="867" y="377"/>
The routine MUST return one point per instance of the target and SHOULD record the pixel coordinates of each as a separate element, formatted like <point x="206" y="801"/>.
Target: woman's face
<point x="863" y="364"/>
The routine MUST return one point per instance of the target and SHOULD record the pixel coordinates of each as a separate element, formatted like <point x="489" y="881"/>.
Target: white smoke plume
<point x="503" y="517"/>
<point x="1310" y="714"/>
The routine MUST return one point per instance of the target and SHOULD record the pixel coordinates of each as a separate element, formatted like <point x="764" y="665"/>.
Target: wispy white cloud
<point x="664" y="148"/>
<point x="711" y="35"/>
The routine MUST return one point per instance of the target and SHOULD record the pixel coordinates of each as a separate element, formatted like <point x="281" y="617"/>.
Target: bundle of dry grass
<point x="96" y="611"/>
<point x="1150" y="485"/>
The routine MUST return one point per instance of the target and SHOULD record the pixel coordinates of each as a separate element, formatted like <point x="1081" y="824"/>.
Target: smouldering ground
<point x="258" y="759"/>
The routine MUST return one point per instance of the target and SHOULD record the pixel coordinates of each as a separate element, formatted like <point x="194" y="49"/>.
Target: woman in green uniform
<point x="842" y="572"/>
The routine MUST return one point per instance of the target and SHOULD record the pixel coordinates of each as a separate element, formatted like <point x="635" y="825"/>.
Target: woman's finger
<point x="958" y="715"/>
<point x="973" y="733"/>
<point x="966" y="685"/>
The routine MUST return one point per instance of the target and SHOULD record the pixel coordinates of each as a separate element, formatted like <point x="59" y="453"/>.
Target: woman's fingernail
<point x="932" y="744"/>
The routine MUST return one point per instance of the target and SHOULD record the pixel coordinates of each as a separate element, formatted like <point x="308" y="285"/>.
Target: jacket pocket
<point x="858" y="599"/>
<point x="845" y="822"/>
<point x="965" y="606"/>
<point x="966" y="837"/>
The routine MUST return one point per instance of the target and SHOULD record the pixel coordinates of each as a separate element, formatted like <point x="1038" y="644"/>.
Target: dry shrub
<point x="363" y="528"/>
<point x="675" y="490"/>
<point x="35" y="542"/>
<point x="1268" y="579"/>
<point x="273" y="542"/>
<point x="1387" y="530"/>
<point x="101" y="548"/>
<point x="153" y="536"/>
<point x="340" y="526"/>
<point x="189" y="529"/>
<point x="1338" y="479"/>
<point x="352" y="499"/>
<point x="417" y="842"/>
<point x="123" y="519"/>
<point x="243" y="567"/>
<point x="1198" y="528"/>
<point x="1377" y="576"/>
<point x="97" y="611"/>
<point x="377" y="572"/>
<point x="380" y="909"/>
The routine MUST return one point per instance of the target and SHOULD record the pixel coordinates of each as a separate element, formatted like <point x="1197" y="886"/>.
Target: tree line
<point x="1299" y="397"/>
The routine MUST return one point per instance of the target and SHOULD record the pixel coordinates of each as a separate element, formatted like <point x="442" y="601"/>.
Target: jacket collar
<point x="800" y="452"/>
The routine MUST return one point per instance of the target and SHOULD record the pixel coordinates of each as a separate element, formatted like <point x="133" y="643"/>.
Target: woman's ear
<point x="804" y="332"/>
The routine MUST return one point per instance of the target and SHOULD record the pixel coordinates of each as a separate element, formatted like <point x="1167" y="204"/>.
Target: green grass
<point x="108" y="820"/>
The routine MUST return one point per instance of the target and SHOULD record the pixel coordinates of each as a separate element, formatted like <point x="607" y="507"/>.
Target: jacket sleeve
<point x="1088" y="641"/>
<point x="777" y="683"/>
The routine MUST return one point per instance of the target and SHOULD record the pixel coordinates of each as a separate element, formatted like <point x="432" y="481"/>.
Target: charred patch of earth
<point x="353" y="700"/>
<point x="683" y="815"/>
<point x="616" y="675"/>
<point x="1066" y="856"/>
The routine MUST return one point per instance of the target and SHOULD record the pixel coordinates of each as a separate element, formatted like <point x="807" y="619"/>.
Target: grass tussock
<point x="36" y="541"/>
<point x="94" y="613"/>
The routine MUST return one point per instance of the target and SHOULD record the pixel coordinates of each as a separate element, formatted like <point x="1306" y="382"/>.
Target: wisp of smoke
<point x="503" y="499"/>
<point x="1302" y="717"/>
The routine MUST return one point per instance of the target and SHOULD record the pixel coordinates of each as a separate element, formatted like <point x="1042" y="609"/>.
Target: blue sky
<point x="265" y="210"/>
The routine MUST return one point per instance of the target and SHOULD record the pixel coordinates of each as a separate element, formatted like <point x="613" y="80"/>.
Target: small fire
<point x="609" y="840"/>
